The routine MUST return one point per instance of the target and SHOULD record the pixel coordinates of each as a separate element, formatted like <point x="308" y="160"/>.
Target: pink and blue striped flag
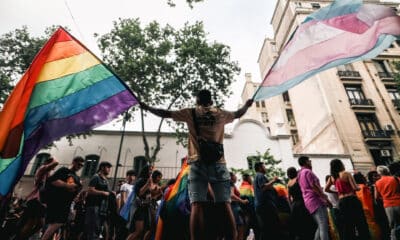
<point x="345" y="31"/>
<point x="66" y="90"/>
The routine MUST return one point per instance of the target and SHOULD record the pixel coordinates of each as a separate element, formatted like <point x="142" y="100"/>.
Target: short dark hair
<point x="155" y="174"/>
<point x="204" y="97"/>
<point x="359" y="178"/>
<point x="78" y="159"/>
<point x="104" y="164"/>
<point x="258" y="165"/>
<point x="131" y="173"/>
<point x="303" y="160"/>
<point x="49" y="160"/>
<point x="291" y="172"/>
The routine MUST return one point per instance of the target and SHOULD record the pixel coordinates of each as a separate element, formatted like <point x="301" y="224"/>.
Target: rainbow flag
<point x="175" y="205"/>
<point x="66" y="90"/>
<point x="345" y="31"/>
<point x="246" y="190"/>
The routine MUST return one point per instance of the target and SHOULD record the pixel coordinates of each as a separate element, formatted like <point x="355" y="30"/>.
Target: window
<point x="39" y="160"/>
<point x="393" y="93"/>
<point x="264" y="117"/>
<point x="257" y="104"/>
<point x="354" y="92"/>
<point x="298" y="4"/>
<point x="346" y="67"/>
<point x="138" y="163"/>
<point x="382" y="66"/>
<point x="315" y="6"/>
<point x="290" y="117"/>
<point x="263" y="104"/>
<point x="286" y="97"/>
<point x="90" y="167"/>
<point x="295" y="137"/>
<point x="369" y="125"/>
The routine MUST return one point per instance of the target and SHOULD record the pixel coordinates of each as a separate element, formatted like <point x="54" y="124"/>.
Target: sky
<point x="240" y="24"/>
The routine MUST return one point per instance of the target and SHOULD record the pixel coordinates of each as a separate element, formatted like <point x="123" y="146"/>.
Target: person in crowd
<point x="97" y="202"/>
<point x="62" y="187"/>
<point x="379" y="210"/>
<point x="367" y="202"/>
<point x="206" y="125"/>
<point x="247" y="192"/>
<point x="32" y="219"/>
<point x="141" y="218"/>
<point x="78" y="216"/>
<point x="333" y="211"/>
<point x="127" y="187"/>
<point x="302" y="225"/>
<point x="266" y="204"/>
<point x="118" y="194"/>
<point x="315" y="200"/>
<point x="236" y="203"/>
<point x="388" y="189"/>
<point x="353" y="222"/>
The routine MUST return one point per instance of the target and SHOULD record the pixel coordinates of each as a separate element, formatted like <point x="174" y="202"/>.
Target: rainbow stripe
<point x="66" y="90"/>
<point x="344" y="32"/>
<point x="246" y="189"/>
<point x="175" y="200"/>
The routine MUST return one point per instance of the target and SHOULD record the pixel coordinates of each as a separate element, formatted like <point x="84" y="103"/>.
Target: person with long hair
<point x="141" y="218"/>
<point x="302" y="225"/>
<point x="351" y="213"/>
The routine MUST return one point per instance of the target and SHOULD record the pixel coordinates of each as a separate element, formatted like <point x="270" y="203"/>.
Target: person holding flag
<point x="206" y="133"/>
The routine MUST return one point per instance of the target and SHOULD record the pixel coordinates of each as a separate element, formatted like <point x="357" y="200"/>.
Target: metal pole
<point x="120" y="148"/>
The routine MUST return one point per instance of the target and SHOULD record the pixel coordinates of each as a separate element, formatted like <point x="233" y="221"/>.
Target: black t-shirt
<point x="100" y="184"/>
<point x="60" y="193"/>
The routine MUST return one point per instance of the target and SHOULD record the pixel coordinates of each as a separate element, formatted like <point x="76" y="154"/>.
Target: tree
<point x="167" y="66"/>
<point x="190" y="2"/>
<point x="271" y="164"/>
<point x="18" y="48"/>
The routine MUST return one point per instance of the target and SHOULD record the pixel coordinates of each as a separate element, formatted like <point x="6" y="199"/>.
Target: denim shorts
<point x="216" y="174"/>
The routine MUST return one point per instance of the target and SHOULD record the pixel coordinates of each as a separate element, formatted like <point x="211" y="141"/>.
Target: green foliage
<point x="271" y="164"/>
<point x="171" y="3"/>
<point x="167" y="67"/>
<point x="18" y="48"/>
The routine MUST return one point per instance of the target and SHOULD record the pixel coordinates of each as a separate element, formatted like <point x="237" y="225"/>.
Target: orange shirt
<point x="387" y="187"/>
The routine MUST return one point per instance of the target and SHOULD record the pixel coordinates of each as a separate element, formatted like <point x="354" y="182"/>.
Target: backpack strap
<point x="196" y="126"/>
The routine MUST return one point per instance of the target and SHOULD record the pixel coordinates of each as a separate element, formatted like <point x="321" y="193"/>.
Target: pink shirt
<point x="312" y="200"/>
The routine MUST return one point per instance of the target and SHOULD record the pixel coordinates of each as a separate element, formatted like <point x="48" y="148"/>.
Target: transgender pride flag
<point x="344" y="32"/>
<point x="66" y="90"/>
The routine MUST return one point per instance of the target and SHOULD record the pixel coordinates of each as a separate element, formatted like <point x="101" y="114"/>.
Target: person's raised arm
<point x="240" y="112"/>
<point x="158" y="112"/>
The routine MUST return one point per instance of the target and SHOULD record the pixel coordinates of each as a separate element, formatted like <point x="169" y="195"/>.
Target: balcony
<point x="361" y="104"/>
<point x="386" y="76"/>
<point x="396" y="103"/>
<point x="349" y="75"/>
<point x="371" y="136"/>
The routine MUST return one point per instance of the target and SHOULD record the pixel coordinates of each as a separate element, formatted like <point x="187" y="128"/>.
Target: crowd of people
<point x="350" y="206"/>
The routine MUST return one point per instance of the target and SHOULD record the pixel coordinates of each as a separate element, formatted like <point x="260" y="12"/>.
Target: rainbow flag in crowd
<point x="344" y="32"/>
<point x="246" y="190"/>
<point x="174" y="206"/>
<point x="66" y="90"/>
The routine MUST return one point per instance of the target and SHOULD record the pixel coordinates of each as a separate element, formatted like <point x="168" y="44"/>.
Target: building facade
<point x="352" y="110"/>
